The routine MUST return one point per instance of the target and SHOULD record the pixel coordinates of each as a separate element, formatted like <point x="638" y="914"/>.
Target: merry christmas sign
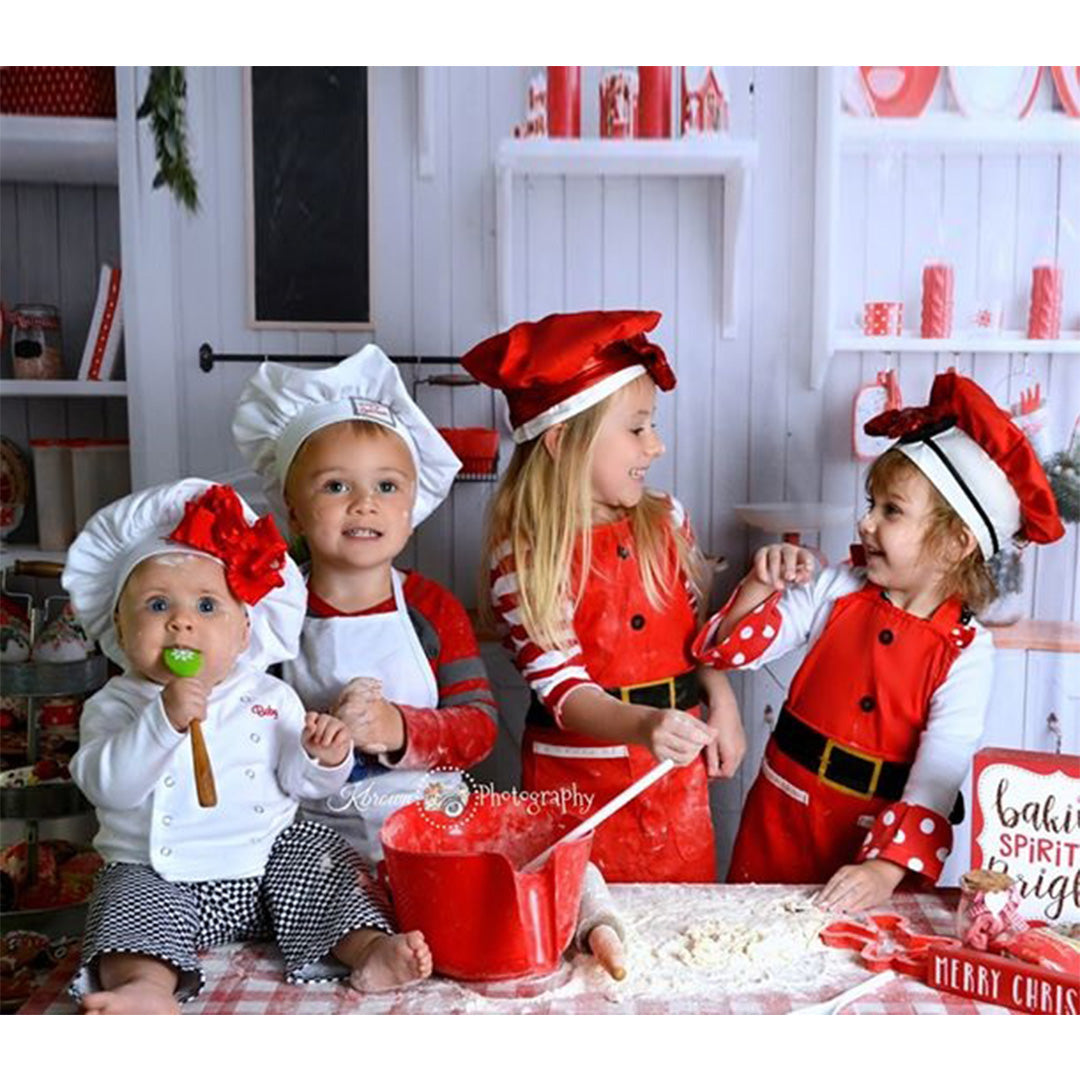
<point x="1027" y="825"/>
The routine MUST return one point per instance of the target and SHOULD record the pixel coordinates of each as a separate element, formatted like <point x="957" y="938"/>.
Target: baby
<point x="185" y="567"/>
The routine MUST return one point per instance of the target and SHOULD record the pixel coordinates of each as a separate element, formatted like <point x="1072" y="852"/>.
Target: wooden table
<point x="246" y="979"/>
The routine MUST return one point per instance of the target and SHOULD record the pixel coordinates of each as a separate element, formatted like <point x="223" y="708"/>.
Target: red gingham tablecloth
<point x="246" y="979"/>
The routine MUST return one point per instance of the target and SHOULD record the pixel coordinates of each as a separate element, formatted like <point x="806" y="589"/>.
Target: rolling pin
<point x="600" y="931"/>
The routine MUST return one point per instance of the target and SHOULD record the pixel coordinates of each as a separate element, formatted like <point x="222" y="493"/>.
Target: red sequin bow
<point x="254" y="555"/>
<point x="910" y="422"/>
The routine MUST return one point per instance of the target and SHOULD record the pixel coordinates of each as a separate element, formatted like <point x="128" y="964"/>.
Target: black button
<point x="637" y="622"/>
<point x="866" y="703"/>
<point x="622" y="552"/>
<point x="885" y="637"/>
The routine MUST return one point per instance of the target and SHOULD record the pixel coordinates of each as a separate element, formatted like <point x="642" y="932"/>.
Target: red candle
<point x="1044" y="317"/>
<point x="654" y="103"/>
<point x="564" y="102"/>
<point x="937" y="300"/>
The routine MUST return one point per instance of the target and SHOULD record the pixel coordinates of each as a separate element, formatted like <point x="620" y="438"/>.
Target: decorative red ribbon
<point x="254" y="555"/>
<point x="896" y="423"/>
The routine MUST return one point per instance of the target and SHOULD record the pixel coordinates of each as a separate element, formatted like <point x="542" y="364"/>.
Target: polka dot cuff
<point x="748" y="640"/>
<point x="913" y="837"/>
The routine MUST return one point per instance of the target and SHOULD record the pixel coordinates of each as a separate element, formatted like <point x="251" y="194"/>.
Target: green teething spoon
<point x="185" y="663"/>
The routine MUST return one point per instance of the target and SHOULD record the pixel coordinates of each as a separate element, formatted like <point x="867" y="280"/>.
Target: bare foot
<point x="141" y="997"/>
<point x="391" y="961"/>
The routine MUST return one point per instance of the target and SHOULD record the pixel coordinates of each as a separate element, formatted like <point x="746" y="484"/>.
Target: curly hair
<point x="968" y="577"/>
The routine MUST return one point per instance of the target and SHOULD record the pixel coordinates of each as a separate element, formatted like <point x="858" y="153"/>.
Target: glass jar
<point x="36" y="350"/>
<point x="988" y="909"/>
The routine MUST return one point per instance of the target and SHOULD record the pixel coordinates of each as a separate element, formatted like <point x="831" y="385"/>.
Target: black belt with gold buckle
<point x="680" y="692"/>
<point x="841" y="767"/>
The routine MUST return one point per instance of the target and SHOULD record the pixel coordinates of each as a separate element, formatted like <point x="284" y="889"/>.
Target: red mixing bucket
<point x="458" y="882"/>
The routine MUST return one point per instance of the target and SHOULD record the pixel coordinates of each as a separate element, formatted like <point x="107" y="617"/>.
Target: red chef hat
<point x="979" y="460"/>
<point x="562" y="365"/>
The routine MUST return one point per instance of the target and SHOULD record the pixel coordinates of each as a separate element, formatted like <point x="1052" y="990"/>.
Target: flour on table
<point x="697" y="944"/>
<point x="745" y="938"/>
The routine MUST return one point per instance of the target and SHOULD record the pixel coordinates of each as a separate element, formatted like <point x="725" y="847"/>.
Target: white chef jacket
<point x="137" y="770"/>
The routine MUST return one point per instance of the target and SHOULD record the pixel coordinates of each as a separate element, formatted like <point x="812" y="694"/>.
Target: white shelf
<point x="61" y="388"/>
<point x="58" y="150"/>
<point x="721" y="157"/>
<point x="715" y="156"/>
<point x="1040" y="133"/>
<point x="970" y="343"/>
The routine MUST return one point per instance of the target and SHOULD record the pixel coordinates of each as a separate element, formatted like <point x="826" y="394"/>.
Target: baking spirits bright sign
<point x="1027" y="824"/>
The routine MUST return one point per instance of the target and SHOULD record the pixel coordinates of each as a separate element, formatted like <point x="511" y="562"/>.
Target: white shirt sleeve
<point x="301" y="776"/>
<point x="125" y="747"/>
<point x="803" y="610"/>
<point x="955" y="724"/>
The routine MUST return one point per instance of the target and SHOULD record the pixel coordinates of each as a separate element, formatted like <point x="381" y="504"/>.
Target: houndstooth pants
<point x="315" y="889"/>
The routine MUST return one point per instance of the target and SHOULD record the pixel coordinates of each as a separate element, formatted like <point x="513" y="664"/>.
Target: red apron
<point x="867" y="683"/>
<point x="666" y="833"/>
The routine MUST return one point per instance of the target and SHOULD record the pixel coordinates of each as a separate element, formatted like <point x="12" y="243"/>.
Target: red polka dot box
<point x="58" y="91"/>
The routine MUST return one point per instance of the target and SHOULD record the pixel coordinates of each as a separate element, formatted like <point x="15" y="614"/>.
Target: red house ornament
<point x="1026" y="823"/>
<point x="704" y="105"/>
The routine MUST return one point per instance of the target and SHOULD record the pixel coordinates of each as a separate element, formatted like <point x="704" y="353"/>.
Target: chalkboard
<point x="308" y="212"/>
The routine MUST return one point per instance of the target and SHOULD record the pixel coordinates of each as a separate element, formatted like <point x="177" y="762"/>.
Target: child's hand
<point x="724" y="755"/>
<point x="375" y="725"/>
<point x="780" y="565"/>
<point x="325" y="739"/>
<point x="670" y="733"/>
<point x="856" y="888"/>
<point x="184" y="700"/>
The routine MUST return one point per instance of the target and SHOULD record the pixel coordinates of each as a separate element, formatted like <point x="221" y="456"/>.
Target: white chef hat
<point x="281" y="406"/>
<point x="214" y="522"/>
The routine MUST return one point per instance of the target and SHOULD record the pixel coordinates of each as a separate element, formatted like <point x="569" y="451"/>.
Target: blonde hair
<point x="541" y="508"/>
<point x="967" y="577"/>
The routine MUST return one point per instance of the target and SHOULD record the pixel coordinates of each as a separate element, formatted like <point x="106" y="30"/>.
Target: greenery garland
<point x="1063" y="472"/>
<point x="166" y="105"/>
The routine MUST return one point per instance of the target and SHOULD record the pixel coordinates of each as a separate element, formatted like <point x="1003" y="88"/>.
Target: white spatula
<point x="601" y="815"/>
